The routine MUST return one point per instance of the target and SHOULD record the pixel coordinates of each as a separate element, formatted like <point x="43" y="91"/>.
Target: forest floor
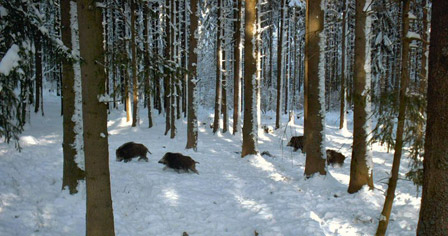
<point x="230" y="196"/>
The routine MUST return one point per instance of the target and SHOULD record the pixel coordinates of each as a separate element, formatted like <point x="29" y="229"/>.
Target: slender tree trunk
<point x="225" y="118"/>
<point x="172" y="85"/>
<point x="361" y="163"/>
<point x="167" y="76"/>
<point x="287" y="60"/>
<point x="218" y="71"/>
<point x="315" y="81"/>
<point x="279" y="64"/>
<point x="192" y="122"/>
<point x="134" y="66"/>
<point x="250" y="73"/>
<point x="100" y="220"/>
<point x="237" y="70"/>
<point x="434" y="209"/>
<point x="385" y="214"/>
<point x="342" y="120"/>
<point x="127" y="96"/>
<point x="38" y="70"/>
<point x="72" y="173"/>
<point x="185" y="58"/>
<point x="147" y="64"/>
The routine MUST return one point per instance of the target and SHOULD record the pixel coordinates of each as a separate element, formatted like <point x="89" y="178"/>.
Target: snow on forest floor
<point x="231" y="196"/>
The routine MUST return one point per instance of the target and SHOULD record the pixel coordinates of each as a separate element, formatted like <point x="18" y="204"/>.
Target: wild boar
<point x="297" y="142"/>
<point x="130" y="150"/>
<point x="335" y="158"/>
<point x="178" y="162"/>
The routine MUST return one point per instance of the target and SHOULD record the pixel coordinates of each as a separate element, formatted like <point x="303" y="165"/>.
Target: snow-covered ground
<point x="231" y="196"/>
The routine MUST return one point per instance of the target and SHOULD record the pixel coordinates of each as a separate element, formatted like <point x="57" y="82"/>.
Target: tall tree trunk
<point x="361" y="163"/>
<point x="172" y="85"/>
<point x="287" y="59"/>
<point x="434" y="208"/>
<point x="218" y="70"/>
<point x="185" y="58"/>
<point x="38" y="71"/>
<point x="127" y="96"/>
<point x="250" y="73"/>
<point x="315" y="82"/>
<point x="237" y="70"/>
<point x="192" y="121"/>
<point x="147" y="64"/>
<point x="424" y="64"/>
<point x="404" y="81"/>
<point x="343" y="122"/>
<point x="100" y="220"/>
<point x="167" y="76"/>
<point x="134" y="66"/>
<point x="225" y="120"/>
<point x="279" y="64"/>
<point x="72" y="173"/>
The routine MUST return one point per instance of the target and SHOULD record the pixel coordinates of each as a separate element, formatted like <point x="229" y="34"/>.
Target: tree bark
<point x="38" y="72"/>
<point x="218" y="71"/>
<point x="237" y="70"/>
<point x="72" y="173"/>
<point x="167" y="76"/>
<point x="172" y="85"/>
<point x="433" y="219"/>
<point x="134" y="67"/>
<point x="279" y="65"/>
<point x="250" y="74"/>
<point x="99" y="214"/>
<point x="147" y="64"/>
<point x="192" y="120"/>
<point x="315" y="87"/>
<point x="342" y="120"/>
<point x="361" y="163"/>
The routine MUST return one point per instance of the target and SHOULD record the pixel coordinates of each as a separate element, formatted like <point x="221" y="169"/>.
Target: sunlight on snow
<point x="264" y="165"/>
<point x="32" y="141"/>
<point x="260" y="209"/>
<point x="344" y="179"/>
<point x="171" y="196"/>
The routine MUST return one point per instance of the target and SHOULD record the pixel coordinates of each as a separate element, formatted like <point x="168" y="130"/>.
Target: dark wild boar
<point x="178" y="162"/>
<point x="130" y="150"/>
<point x="297" y="142"/>
<point x="335" y="158"/>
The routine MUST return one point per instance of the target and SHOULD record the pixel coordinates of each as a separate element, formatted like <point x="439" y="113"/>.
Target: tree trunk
<point x="279" y="65"/>
<point x="434" y="208"/>
<point x="343" y="122"/>
<point x="38" y="71"/>
<point x="250" y="73"/>
<point x="134" y="67"/>
<point x="404" y="81"/>
<point x="225" y="119"/>
<point x="172" y="85"/>
<point x="315" y="82"/>
<point x="99" y="214"/>
<point x="237" y="70"/>
<point x="167" y="76"/>
<point x="147" y="64"/>
<point x="218" y="71"/>
<point x="192" y="120"/>
<point x="361" y="163"/>
<point x="72" y="173"/>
